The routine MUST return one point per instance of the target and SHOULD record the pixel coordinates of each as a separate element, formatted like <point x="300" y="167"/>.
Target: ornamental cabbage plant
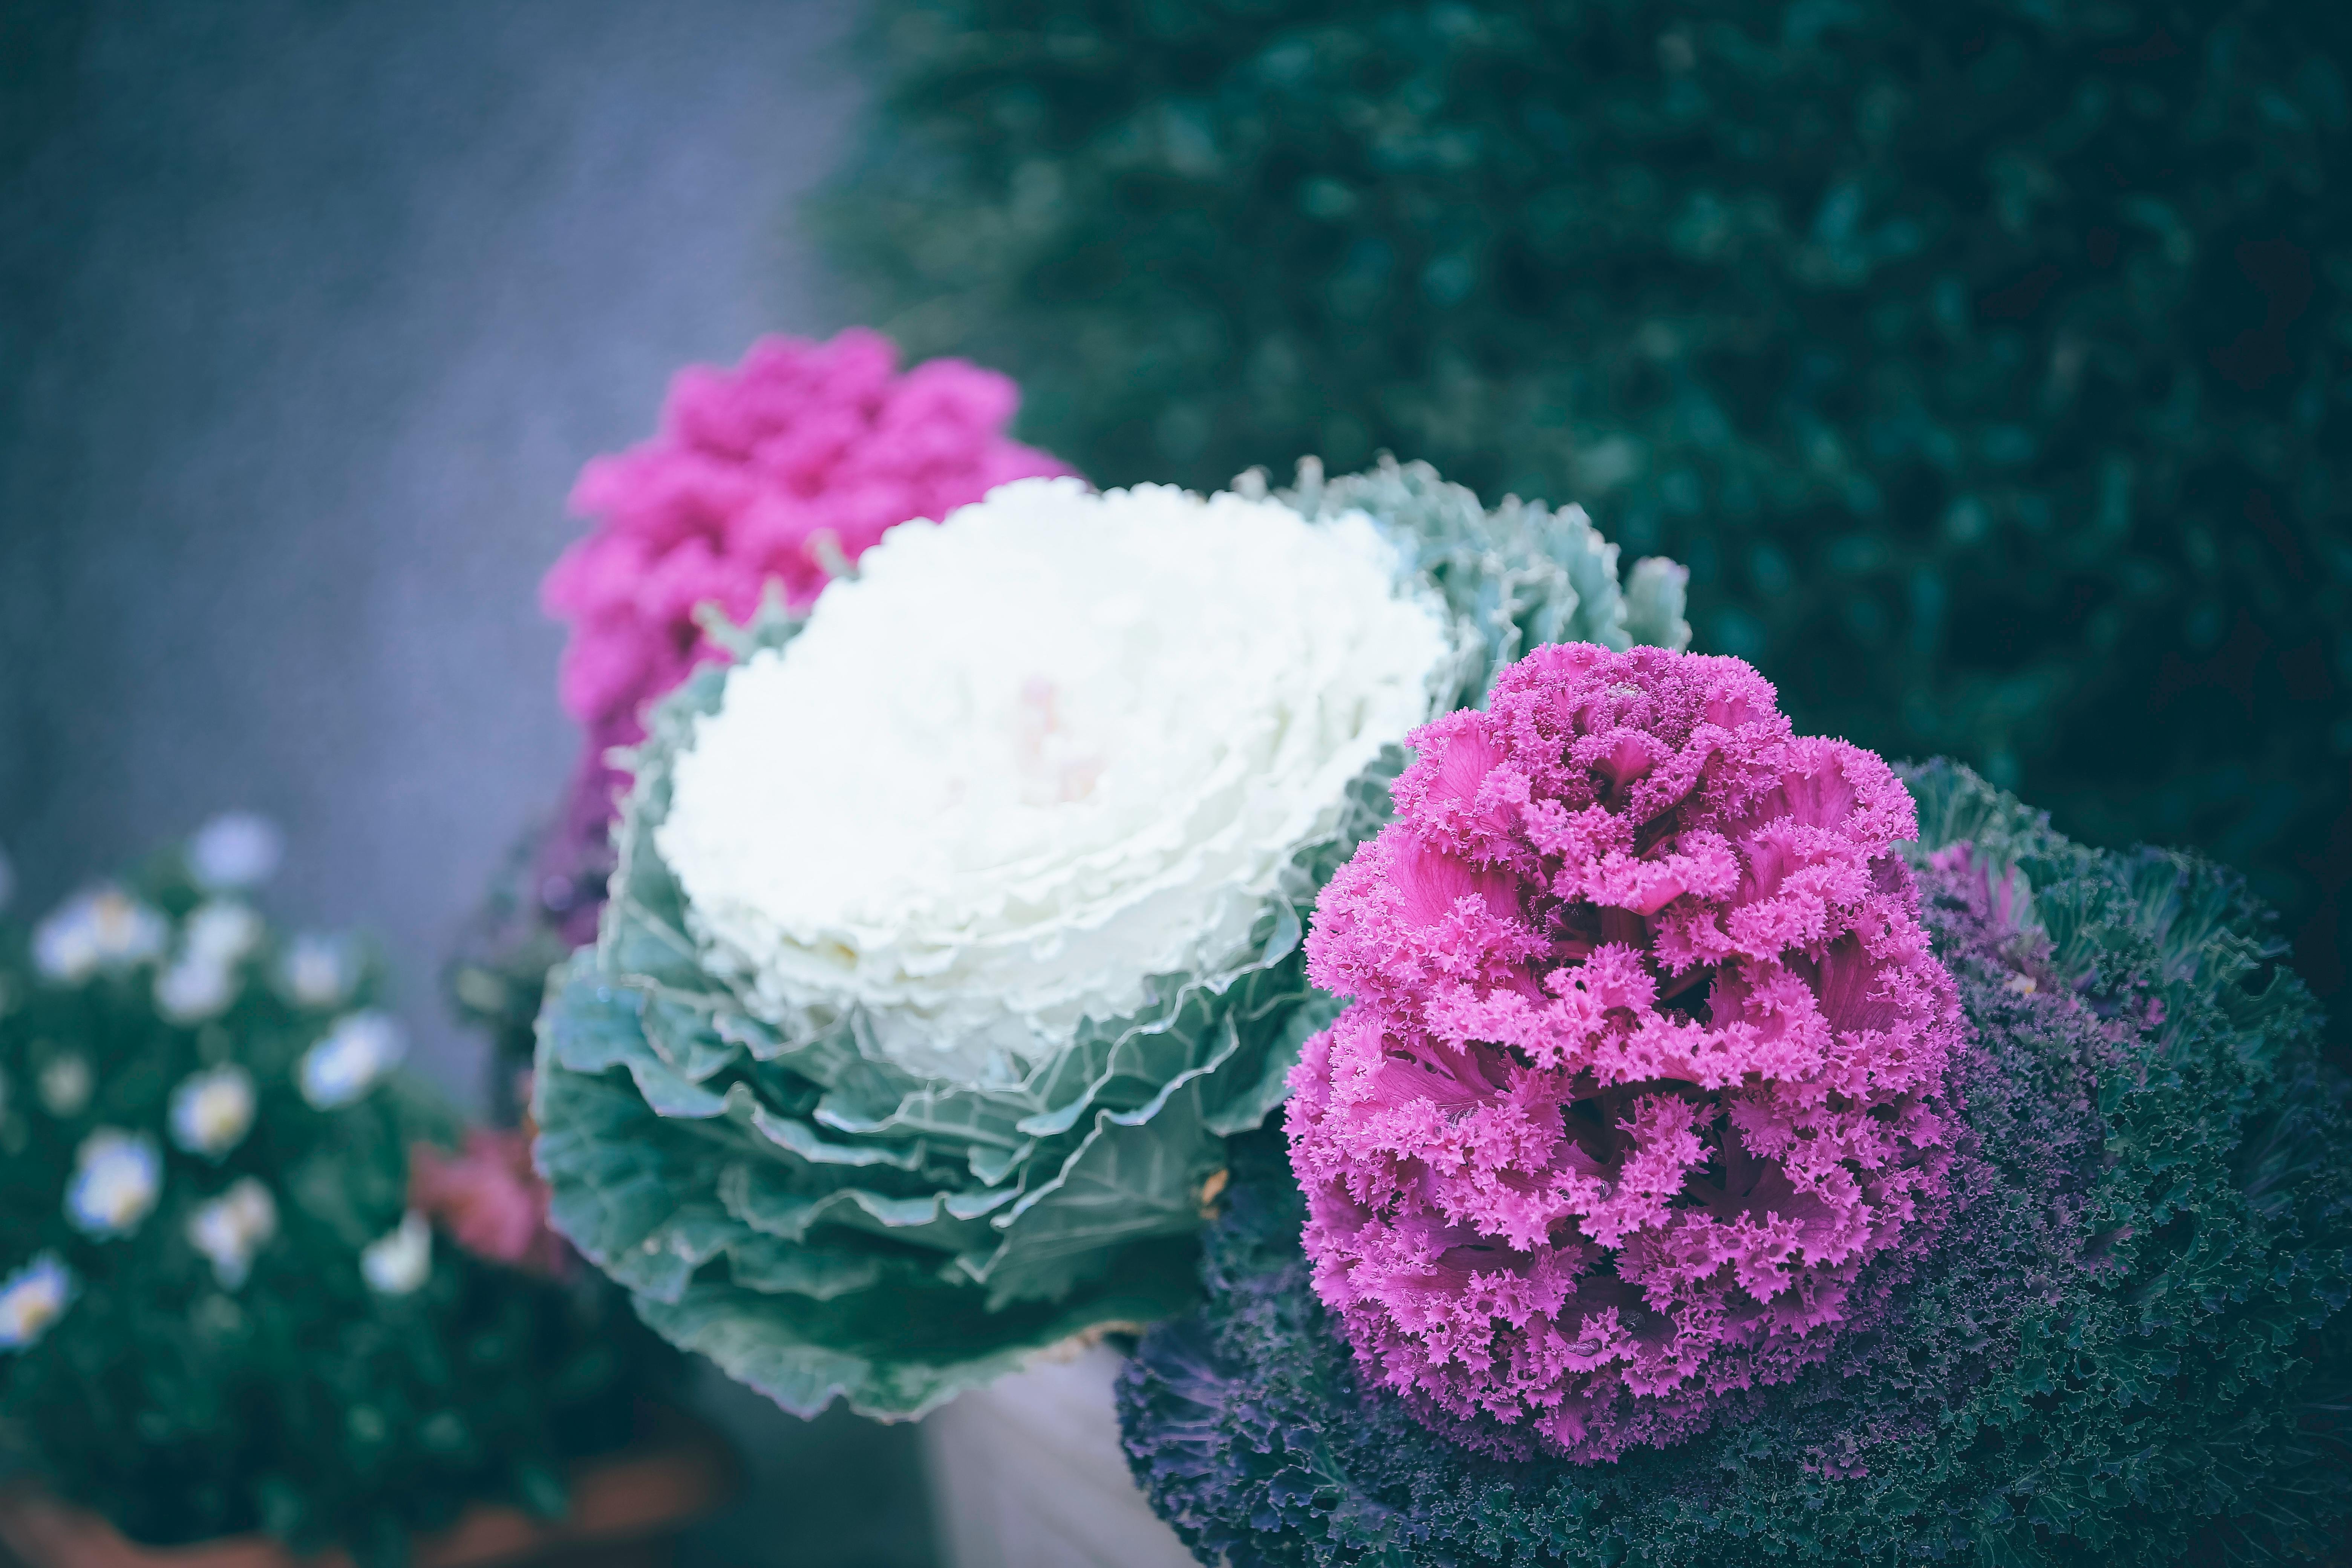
<point x="2120" y="1338"/>
<point x="958" y="922"/>
<point x="223" y="1307"/>
<point x="1645" y="1058"/>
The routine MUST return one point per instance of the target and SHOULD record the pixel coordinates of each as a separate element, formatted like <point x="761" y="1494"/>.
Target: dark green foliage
<point x="2127" y="1346"/>
<point x="301" y="1403"/>
<point x="524" y="929"/>
<point x="1988" y="363"/>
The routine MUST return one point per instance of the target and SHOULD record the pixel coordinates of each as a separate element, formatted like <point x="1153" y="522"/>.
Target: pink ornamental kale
<point x="803" y="454"/>
<point x="1644" y="1060"/>
<point x="490" y="1199"/>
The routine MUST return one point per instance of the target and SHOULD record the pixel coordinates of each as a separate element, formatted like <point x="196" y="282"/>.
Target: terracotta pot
<point x="626" y="1511"/>
<point x="1029" y="1473"/>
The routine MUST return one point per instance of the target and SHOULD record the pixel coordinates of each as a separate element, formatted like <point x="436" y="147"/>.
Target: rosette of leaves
<point x="238" y="1325"/>
<point x="1984" y="361"/>
<point x="2127" y="1347"/>
<point x="820" y="1219"/>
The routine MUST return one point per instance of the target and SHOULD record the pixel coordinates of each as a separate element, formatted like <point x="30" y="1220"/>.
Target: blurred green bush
<point x="1990" y="363"/>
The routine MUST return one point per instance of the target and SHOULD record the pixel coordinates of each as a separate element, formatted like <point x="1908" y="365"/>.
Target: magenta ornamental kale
<point x="1644" y="1062"/>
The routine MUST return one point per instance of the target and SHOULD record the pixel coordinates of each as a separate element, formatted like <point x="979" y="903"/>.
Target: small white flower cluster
<point x="202" y="979"/>
<point x="105" y="929"/>
<point x="235" y="851"/>
<point x="101" y="927"/>
<point x="318" y="971"/>
<point x="64" y="1085"/>
<point x="231" y="1228"/>
<point x="32" y="1299"/>
<point x="355" y="1054"/>
<point x="118" y="1175"/>
<point x="399" y="1262"/>
<point x="211" y="1110"/>
<point x="117" y="1178"/>
<point x="117" y="1182"/>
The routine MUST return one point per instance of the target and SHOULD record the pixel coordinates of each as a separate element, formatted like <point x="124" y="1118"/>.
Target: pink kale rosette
<point x="489" y="1199"/>
<point x="1644" y="1062"/>
<point x="777" y="470"/>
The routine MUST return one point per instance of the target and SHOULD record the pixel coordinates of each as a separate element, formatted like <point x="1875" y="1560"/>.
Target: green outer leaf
<point x="1521" y="576"/>
<point x="820" y="1221"/>
<point x="899" y="1353"/>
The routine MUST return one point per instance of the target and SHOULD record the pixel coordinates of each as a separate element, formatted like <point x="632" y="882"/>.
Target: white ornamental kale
<point x="957" y="926"/>
<point x="1031" y="757"/>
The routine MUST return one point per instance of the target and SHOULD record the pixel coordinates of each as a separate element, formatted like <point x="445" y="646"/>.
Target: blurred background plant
<point x="1990" y="363"/>
<point x="226" y="1306"/>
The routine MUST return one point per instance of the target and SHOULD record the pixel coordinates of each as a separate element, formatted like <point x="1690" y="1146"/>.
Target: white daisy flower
<point x="400" y="1260"/>
<point x="211" y="1110"/>
<point x="234" y="849"/>
<point x="233" y="1228"/>
<point x="358" y="1050"/>
<point x="194" y="988"/>
<point x="117" y="1178"/>
<point x="32" y="1299"/>
<point x="982" y="814"/>
<point x="319" y="971"/>
<point x="65" y="1084"/>
<point x="224" y="930"/>
<point x="100" y="927"/>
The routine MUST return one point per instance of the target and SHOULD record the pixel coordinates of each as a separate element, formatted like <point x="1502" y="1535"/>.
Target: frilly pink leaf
<point x="1644" y="1061"/>
<point x="490" y="1199"/>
